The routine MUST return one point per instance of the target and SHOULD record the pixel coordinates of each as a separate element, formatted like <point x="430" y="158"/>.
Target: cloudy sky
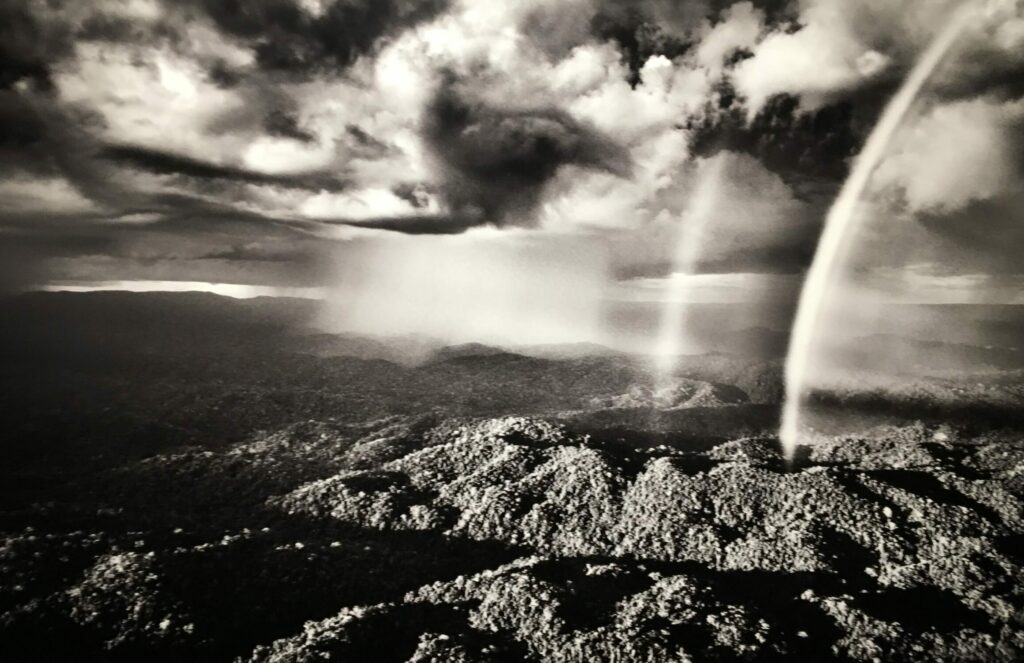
<point x="533" y="157"/>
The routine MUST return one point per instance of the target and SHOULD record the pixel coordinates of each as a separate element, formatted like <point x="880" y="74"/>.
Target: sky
<point x="503" y="167"/>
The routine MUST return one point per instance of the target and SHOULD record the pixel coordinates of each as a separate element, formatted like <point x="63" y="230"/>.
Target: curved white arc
<point x="838" y="226"/>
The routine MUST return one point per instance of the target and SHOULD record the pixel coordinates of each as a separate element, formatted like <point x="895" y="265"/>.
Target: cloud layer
<point x="262" y="142"/>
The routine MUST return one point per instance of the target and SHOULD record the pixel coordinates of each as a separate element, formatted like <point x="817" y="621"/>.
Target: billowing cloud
<point x="949" y="194"/>
<point x="837" y="46"/>
<point x="957" y="153"/>
<point x="815" y="62"/>
<point x="738" y="31"/>
<point x="247" y="141"/>
<point x="166" y="163"/>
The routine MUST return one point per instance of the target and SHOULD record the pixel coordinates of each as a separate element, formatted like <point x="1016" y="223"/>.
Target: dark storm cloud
<point x="790" y="142"/>
<point x="639" y="28"/>
<point x="29" y="46"/>
<point x="223" y="75"/>
<point x="981" y="73"/>
<point x="35" y="38"/>
<point x="20" y="125"/>
<point x="41" y="138"/>
<point x="164" y="212"/>
<point x="188" y="212"/>
<point x="414" y="193"/>
<point x="365" y="143"/>
<point x="420" y="225"/>
<point x="109" y="28"/>
<point x="233" y="250"/>
<point x="284" y="36"/>
<point x="132" y="228"/>
<point x="260" y="252"/>
<point x="637" y="37"/>
<point x="284" y="125"/>
<point x="497" y="161"/>
<point x="165" y="163"/>
<point x="190" y="241"/>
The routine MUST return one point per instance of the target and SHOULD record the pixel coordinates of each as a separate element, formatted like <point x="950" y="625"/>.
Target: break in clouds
<point x="446" y="167"/>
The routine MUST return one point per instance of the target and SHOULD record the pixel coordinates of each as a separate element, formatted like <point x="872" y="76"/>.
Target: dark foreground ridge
<point x="424" y="539"/>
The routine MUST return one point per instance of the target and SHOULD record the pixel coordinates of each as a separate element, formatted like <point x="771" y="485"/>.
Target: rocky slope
<point x="902" y="547"/>
<point x="426" y="539"/>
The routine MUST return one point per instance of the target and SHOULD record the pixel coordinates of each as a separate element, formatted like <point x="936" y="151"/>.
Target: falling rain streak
<point x="674" y="332"/>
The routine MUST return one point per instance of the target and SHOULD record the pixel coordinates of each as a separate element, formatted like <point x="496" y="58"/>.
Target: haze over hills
<point x="176" y="357"/>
